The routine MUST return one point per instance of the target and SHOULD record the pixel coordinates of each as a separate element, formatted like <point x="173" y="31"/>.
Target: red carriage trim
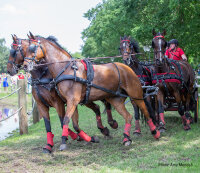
<point x="167" y="80"/>
<point x="142" y="75"/>
<point x="65" y="131"/>
<point x="50" y="136"/>
<point x="72" y="134"/>
<point x="84" y="136"/>
<point x="159" y="36"/>
<point x="125" y="40"/>
<point x="163" y="73"/>
<point x="15" y="44"/>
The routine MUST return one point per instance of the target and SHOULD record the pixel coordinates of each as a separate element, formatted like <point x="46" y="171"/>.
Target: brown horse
<point x="111" y="82"/>
<point x="129" y="49"/>
<point x="174" y="78"/>
<point x="46" y="96"/>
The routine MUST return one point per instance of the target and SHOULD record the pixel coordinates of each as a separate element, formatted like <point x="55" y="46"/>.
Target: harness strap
<point x="40" y="97"/>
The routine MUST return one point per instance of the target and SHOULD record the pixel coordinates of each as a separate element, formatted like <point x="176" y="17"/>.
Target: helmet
<point x="173" y="41"/>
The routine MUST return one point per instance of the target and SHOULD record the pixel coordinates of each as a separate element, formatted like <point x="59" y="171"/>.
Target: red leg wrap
<point x="157" y="135"/>
<point x="162" y="118"/>
<point x="72" y="134"/>
<point x="99" y="123"/>
<point x="137" y="126"/>
<point x="127" y="129"/>
<point x="50" y="136"/>
<point x="84" y="136"/>
<point x="151" y="125"/>
<point x="65" y="130"/>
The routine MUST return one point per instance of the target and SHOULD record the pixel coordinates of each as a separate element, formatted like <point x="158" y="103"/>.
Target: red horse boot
<point x="155" y="133"/>
<point x="127" y="141"/>
<point x="137" y="131"/>
<point x="50" y="143"/>
<point x="186" y="123"/>
<point x="161" y="126"/>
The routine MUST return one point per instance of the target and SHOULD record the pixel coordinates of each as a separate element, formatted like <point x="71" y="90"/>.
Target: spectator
<point x="21" y="76"/>
<point x="5" y="83"/>
<point x="13" y="83"/>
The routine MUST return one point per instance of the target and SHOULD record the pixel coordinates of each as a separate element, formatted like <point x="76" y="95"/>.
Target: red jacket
<point x="176" y="55"/>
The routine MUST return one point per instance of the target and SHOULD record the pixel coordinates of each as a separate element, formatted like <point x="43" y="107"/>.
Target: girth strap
<point x="40" y="97"/>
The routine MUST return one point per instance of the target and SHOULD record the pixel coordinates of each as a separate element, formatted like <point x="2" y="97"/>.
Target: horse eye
<point x="32" y="48"/>
<point x="13" y="52"/>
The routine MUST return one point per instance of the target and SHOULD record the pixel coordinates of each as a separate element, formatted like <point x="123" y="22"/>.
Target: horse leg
<point x="185" y="121"/>
<point x="187" y="114"/>
<point x="80" y="132"/>
<point x="60" y="108"/>
<point x="113" y="123"/>
<point x="44" y="112"/>
<point x="137" y="130"/>
<point x="143" y="108"/>
<point x="96" y="109"/>
<point x="119" y="105"/>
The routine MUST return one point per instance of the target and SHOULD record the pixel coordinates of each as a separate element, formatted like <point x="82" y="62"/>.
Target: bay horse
<point x="129" y="50"/>
<point x="112" y="82"/>
<point x="174" y="78"/>
<point x="46" y="96"/>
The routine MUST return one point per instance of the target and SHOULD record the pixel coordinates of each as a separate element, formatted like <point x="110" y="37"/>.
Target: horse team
<point x="58" y="79"/>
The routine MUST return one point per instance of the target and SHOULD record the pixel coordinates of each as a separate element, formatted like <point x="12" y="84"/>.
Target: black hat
<point x="173" y="41"/>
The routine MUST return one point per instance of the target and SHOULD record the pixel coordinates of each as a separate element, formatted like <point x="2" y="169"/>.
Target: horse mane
<point x="135" y="45"/>
<point x="54" y="40"/>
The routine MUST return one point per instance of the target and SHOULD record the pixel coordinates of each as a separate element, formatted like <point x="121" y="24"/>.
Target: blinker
<point x="32" y="48"/>
<point x="13" y="52"/>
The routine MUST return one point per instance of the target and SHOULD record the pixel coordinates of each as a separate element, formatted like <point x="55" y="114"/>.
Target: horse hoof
<point x="63" y="147"/>
<point x="127" y="143"/>
<point x="95" y="139"/>
<point x="137" y="134"/>
<point x="105" y="131"/>
<point x="161" y="129"/>
<point x="113" y="124"/>
<point x="46" y="151"/>
<point x="187" y="127"/>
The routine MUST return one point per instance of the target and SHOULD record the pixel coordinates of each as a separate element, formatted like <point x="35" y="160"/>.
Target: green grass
<point x="176" y="151"/>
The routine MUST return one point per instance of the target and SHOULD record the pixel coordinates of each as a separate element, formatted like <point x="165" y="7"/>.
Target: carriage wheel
<point x="196" y="109"/>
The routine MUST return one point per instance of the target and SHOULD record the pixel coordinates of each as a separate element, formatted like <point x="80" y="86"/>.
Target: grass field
<point x="176" y="151"/>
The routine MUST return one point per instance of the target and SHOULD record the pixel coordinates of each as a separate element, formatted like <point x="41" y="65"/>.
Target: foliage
<point x="112" y="19"/>
<point x="4" y="54"/>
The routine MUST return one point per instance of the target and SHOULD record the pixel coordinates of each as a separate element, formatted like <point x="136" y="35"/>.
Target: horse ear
<point x="154" y="32"/>
<point x="14" y="37"/>
<point x="164" y="32"/>
<point x="32" y="36"/>
<point x="29" y="36"/>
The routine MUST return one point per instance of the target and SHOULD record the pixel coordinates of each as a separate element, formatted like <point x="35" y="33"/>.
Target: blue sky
<point x="60" y="18"/>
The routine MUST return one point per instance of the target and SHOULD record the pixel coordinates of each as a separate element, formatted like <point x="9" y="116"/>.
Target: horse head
<point x="35" y="52"/>
<point x="17" y="55"/>
<point x="127" y="49"/>
<point x="159" y="46"/>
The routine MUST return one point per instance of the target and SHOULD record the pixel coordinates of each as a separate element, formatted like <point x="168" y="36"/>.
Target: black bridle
<point x="161" y="58"/>
<point x="13" y="53"/>
<point x="33" y="48"/>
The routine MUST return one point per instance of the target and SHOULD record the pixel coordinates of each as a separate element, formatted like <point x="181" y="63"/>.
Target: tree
<point x="4" y="55"/>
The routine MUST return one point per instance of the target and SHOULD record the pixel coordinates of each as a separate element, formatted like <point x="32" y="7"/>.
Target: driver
<point x="174" y="52"/>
